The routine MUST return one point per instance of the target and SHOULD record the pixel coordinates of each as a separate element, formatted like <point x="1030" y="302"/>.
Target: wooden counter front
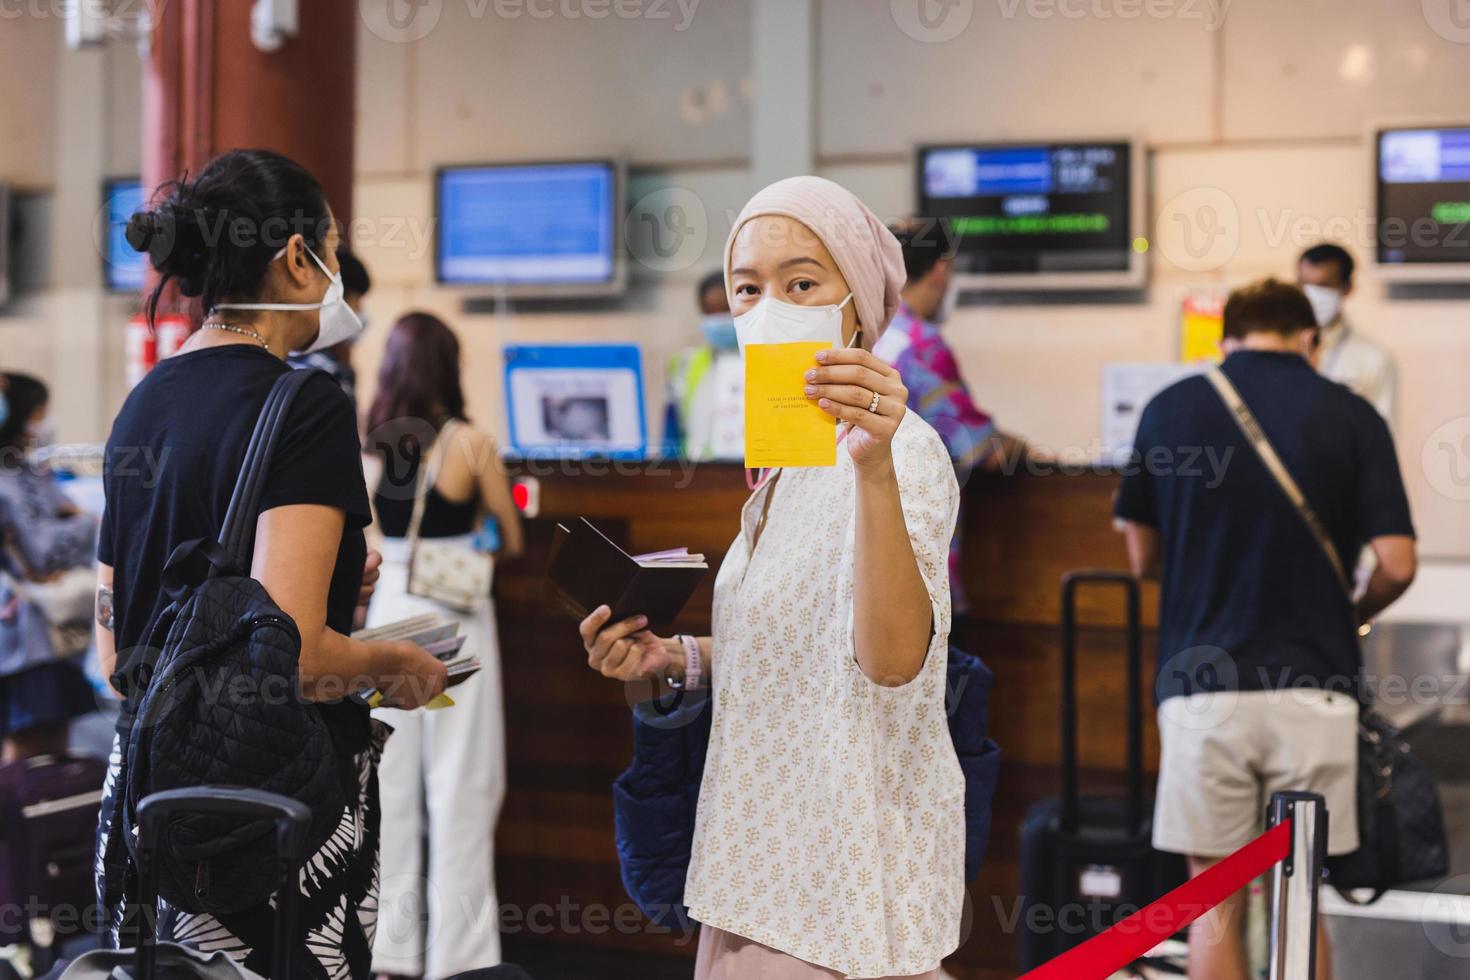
<point x="569" y="731"/>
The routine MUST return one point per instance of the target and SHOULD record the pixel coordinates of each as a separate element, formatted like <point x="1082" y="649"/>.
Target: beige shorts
<point x="1225" y="754"/>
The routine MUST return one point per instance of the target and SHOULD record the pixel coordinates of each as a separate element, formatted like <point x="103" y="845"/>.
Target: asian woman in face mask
<point x="829" y="838"/>
<point x="251" y="236"/>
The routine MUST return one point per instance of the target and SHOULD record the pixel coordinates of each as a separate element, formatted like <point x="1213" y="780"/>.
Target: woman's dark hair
<point x="418" y="380"/>
<point x="23" y="394"/>
<point x="215" y="235"/>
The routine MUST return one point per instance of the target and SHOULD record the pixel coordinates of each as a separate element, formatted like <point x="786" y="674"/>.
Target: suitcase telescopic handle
<point x="293" y="821"/>
<point x="1070" y="815"/>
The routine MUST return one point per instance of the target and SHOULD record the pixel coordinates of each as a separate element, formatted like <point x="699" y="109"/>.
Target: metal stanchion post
<point x="1294" y="884"/>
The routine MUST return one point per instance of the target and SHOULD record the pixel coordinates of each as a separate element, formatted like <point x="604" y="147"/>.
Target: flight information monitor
<point x="1424" y="199"/>
<point x="1043" y="215"/>
<point x="545" y="227"/>
<point x="123" y="269"/>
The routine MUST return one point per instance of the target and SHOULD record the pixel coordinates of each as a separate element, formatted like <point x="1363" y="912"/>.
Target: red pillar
<point x="208" y="88"/>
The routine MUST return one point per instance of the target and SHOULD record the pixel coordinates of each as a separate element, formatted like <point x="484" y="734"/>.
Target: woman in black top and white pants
<point x="253" y="237"/>
<point x="443" y="775"/>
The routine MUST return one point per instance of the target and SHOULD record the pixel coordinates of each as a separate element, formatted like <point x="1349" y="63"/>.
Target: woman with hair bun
<point x="252" y="237"/>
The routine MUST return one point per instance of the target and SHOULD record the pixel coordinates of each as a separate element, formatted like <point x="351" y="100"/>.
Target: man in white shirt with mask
<point x="1325" y="273"/>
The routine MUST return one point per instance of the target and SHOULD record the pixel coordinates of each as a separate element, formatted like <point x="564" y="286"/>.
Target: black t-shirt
<point x="172" y="460"/>
<point x="1249" y="602"/>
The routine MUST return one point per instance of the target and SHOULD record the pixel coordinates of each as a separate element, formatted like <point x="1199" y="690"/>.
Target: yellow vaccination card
<point x="783" y="427"/>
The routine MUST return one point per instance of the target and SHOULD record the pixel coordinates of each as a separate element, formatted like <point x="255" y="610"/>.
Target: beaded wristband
<point x="692" y="666"/>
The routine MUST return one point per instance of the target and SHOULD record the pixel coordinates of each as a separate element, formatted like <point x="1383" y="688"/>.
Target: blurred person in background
<point x="46" y="549"/>
<point x="1259" y="660"/>
<point x="337" y="359"/>
<point x="262" y="295"/>
<point x="1325" y="274"/>
<point x="914" y="344"/>
<point x="705" y="416"/>
<point x="443" y="773"/>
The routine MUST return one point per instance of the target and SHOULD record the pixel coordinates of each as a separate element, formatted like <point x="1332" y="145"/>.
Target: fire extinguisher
<point x="141" y="348"/>
<point x="173" y="329"/>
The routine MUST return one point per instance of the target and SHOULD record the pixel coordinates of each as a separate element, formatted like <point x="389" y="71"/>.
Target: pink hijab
<point x="867" y="254"/>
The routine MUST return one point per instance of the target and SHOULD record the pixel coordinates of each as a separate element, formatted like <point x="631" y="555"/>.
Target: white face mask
<point x="775" y="322"/>
<point x="1326" y="303"/>
<point x="336" y="321"/>
<point x="42" y="433"/>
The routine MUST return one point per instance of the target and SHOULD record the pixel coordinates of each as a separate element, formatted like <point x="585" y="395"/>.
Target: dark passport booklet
<point x="589" y="570"/>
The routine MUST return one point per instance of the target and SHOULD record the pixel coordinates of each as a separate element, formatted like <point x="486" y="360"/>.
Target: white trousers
<point x="441" y="781"/>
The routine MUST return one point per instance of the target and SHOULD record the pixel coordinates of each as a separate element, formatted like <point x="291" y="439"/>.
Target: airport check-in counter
<point x="569" y="729"/>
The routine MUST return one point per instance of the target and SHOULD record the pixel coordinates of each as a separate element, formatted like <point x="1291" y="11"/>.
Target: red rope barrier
<point x="1104" y="954"/>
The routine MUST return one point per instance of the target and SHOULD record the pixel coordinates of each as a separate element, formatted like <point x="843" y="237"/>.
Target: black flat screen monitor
<point x="1038" y="215"/>
<point x="1422" y="228"/>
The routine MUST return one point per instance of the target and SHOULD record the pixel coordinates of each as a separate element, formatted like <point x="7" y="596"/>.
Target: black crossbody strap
<point x="1244" y="418"/>
<point x="239" y="527"/>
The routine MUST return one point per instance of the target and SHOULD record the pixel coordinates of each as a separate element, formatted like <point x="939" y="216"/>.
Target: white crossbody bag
<point x="448" y="572"/>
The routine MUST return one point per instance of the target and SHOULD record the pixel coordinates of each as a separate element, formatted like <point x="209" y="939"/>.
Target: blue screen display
<point x="1424" y="156"/>
<point x="543" y="224"/>
<point x="1021" y="171"/>
<point x="1423" y="196"/>
<point x="125" y="269"/>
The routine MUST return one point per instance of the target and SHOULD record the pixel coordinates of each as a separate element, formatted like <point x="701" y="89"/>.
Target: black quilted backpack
<point x="220" y="707"/>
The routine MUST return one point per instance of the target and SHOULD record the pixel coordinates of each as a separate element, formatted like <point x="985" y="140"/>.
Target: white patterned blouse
<point x="831" y="817"/>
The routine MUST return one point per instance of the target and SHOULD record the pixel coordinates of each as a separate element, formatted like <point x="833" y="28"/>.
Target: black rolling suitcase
<point x="1087" y="862"/>
<point x="152" y="959"/>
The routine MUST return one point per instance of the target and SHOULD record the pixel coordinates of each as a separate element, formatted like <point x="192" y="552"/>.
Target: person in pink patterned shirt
<point x="915" y="345"/>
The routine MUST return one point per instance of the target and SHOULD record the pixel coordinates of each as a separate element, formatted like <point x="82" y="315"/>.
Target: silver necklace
<point x="242" y="331"/>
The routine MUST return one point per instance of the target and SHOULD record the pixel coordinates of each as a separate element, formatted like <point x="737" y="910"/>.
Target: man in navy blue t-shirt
<point x="1258" y="648"/>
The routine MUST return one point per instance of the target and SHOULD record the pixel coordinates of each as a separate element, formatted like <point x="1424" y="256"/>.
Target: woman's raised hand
<point x="843" y="384"/>
<point x="625" y="650"/>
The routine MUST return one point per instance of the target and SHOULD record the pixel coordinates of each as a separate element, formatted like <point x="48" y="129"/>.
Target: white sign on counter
<point x="1126" y="389"/>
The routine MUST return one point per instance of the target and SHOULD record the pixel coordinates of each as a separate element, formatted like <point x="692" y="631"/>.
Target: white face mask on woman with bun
<point x="337" y="321"/>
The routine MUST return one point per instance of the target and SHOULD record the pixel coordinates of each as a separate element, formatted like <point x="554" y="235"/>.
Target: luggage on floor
<point x="48" y="823"/>
<point x="1089" y="861"/>
<point x="151" y="958"/>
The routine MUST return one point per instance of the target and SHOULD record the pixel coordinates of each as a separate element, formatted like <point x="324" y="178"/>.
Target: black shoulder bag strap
<point x="238" y="533"/>
<point x="231" y="554"/>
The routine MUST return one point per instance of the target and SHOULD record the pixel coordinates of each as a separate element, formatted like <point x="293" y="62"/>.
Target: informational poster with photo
<point x="570" y="401"/>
